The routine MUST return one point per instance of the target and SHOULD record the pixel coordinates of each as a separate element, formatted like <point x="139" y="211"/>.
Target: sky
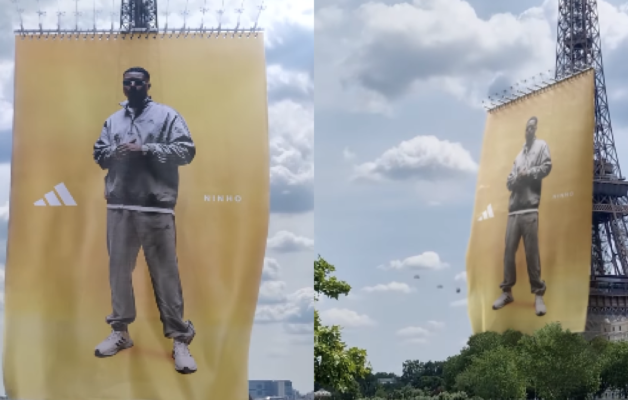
<point x="282" y="339"/>
<point x="399" y="125"/>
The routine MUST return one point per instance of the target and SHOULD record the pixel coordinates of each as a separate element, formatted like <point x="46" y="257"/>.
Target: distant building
<point x="271" y="390"/>
<point x="386" y="381"/>
<point x="616" y="330"/>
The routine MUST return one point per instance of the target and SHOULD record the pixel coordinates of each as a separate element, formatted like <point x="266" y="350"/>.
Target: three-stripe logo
<point x="51" y="199"/>
<point x="486" y="214"/>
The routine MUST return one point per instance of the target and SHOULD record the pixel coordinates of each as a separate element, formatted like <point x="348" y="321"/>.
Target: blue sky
<point x="398" y="132"/>
<point x="282" y="341"/>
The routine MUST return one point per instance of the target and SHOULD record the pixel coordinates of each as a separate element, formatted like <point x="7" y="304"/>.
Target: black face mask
<point x="135" y="88"/>
<point x="136" y="95"/>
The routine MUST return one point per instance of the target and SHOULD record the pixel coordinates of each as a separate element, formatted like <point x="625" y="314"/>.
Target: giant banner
<point x="529" y="253"/>
<point x="139" y="216"/>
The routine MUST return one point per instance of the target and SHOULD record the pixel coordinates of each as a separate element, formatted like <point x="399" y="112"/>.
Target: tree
<point x="423" y="375"/>
<point x="615" y="365"/>
<point x="369" y="385"/>
<point x="560" y="364"/>
<point x="453" y="366"/>
<point x="336" y="367"/>
<point x="411" y="371"/>
<point x="494" y="374"/>
<point x="511" y="338"/>
<point x="482" y="342"/>
<point x="476" y="345"/>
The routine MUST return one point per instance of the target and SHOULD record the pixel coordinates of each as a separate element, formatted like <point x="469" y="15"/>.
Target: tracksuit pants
<point x="524" y="226"/>
<point x="155" y="233"/>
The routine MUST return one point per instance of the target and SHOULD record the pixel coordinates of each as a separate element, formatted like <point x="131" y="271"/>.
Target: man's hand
<point x="127" y="148"/>
<point x="521" y="175"/>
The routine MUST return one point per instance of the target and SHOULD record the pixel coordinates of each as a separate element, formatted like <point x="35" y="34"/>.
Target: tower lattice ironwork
<point x="138" y="15"/>
<point x="579" y="47"/>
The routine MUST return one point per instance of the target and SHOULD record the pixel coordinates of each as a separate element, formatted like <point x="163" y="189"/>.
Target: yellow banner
<point x="529" y="254"/>
<point x="93" y="181"/>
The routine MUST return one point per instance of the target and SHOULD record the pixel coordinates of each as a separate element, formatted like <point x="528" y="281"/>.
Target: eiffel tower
<point x="138" y="15"/>
<point x="579" y="47"/>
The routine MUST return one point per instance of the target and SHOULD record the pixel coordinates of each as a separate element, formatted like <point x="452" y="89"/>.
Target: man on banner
<point x="532" y="164"/>
<point x="141" y="146"/>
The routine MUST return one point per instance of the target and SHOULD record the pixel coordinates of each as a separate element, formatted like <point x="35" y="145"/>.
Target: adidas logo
<point x="52" y="199"/>
<point x="486" y="214"/>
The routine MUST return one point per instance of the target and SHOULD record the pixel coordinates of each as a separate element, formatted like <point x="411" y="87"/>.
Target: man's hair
<point x="535" y="119"/>
<point x="140" y="70"/>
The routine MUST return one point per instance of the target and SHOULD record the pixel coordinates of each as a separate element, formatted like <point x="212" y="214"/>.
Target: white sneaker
<point x="503" y="300"/>
<point x="183" y="361"/>
<point x="115" y="342"/>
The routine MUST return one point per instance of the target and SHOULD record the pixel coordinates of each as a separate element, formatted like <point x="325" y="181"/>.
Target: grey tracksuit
<point x="523" y="214"/>
<point x="141" y="191"/>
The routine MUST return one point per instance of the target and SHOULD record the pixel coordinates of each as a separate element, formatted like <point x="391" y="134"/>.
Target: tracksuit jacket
<point x="526" y="194"/>
<point x="146" y="180"/>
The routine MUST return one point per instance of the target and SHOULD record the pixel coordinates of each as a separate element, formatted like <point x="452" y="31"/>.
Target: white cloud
<point x="422" y="158"/>
<point x="297" y="309"/>
<point x="4" y="212"/>
<point x="288" y="242"/>
<point x="329" y="17"/>
<point x="5" y="182"/>
<point x="614" y="29"/>
<point x="428" y="260"/>
<point x="419" y="334"/>
<point x="279" y="12"/>
<point x="436" y="325"/>
<point x="6" y="100"/>
<point x="291" y="156"/>
<point x="272" y="289"/>
<point x="345" y="318"/>
<point x="461" y="276"/>
<point x="272" y="292"/>
<point x="348" y="155"/>
<point x="279" y="79"/>
<point x="411" y="331"/>
<point x="272" y="270"/>
<point x="459" y="303"/>
<point x="464" y="51"/>
<point x="432" y="46"/>
<point x="389" y="287"/>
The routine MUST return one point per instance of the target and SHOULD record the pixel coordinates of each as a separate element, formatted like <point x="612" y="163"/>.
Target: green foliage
<point x="422" y="396"/>
<point x="476" y="346"/>
<point x="453" y="366"/>
<point x="326" y="284"/>
<point x="560" y="364"/>
<point x="615" y="366"/>
<point x="511" y="338"/>
<point x="550" y="364"/>
<point x="336" y="367"/>
<point x="427" y="376"/>
<point x="494" y="373"/>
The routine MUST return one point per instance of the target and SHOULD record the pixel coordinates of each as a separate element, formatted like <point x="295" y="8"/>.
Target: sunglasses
<point x="136" y="82"/>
